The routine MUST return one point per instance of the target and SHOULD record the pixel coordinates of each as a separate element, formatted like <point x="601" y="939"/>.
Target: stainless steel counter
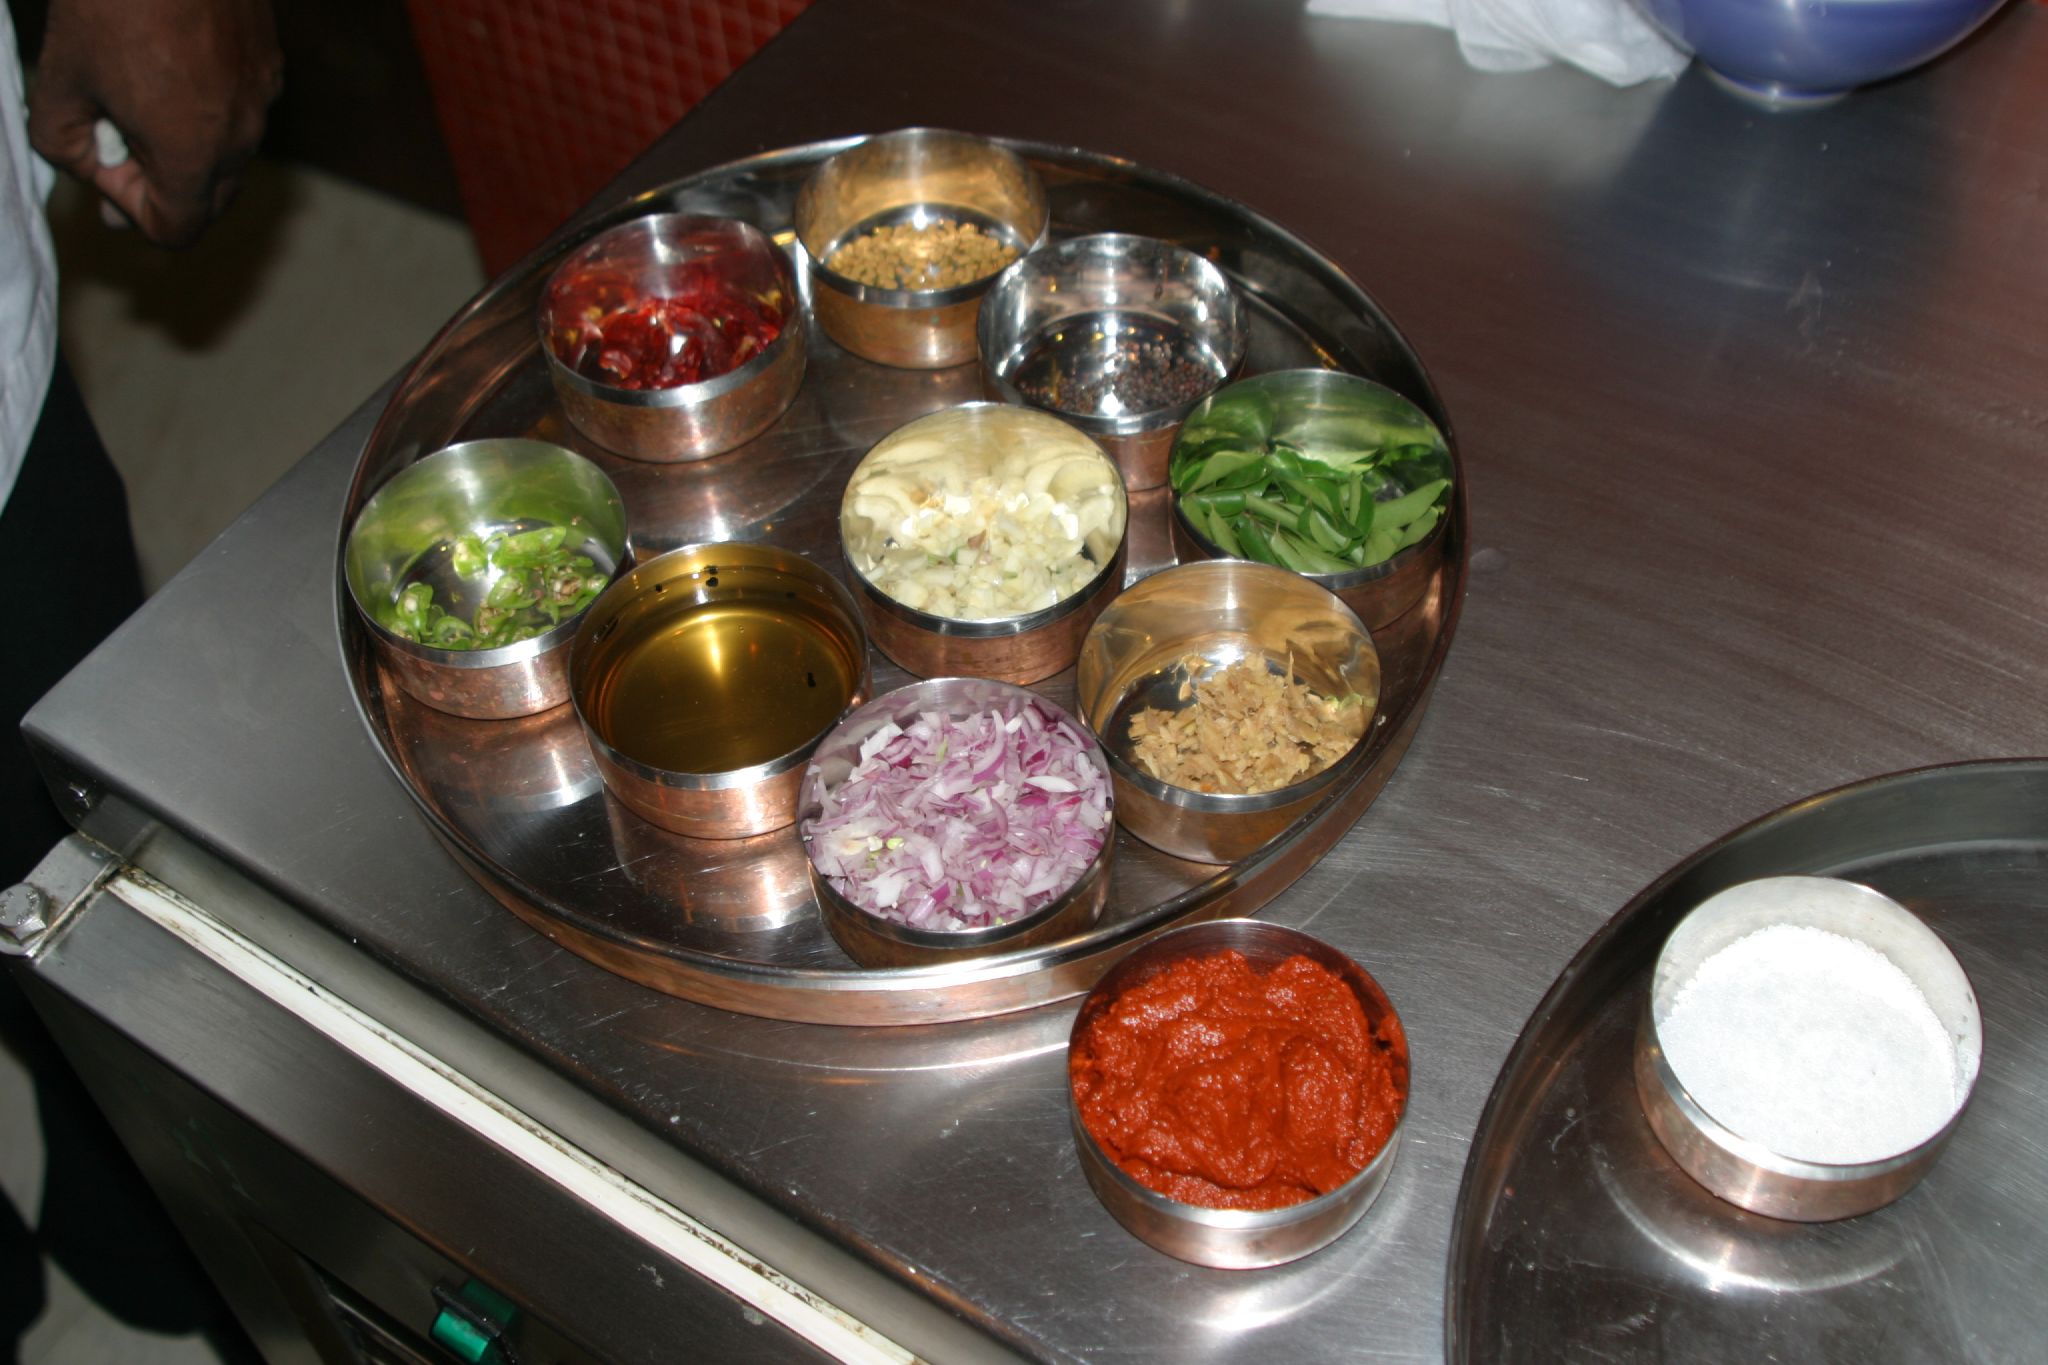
<point x="1755" y="415"/>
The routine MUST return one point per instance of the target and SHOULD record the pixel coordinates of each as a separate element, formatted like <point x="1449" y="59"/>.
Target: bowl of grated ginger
<point x="1229" y="697"/>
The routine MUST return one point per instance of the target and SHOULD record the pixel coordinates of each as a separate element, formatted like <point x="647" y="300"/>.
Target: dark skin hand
<point x="187" y="82"/>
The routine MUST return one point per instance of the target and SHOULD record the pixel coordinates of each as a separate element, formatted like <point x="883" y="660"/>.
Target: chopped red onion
<point x="964" y="823"/>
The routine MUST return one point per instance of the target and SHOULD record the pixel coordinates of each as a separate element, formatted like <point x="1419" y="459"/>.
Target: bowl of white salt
<point x="1808" y="1046"/>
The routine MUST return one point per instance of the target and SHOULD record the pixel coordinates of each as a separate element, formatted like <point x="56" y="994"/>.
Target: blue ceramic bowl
<point x="1810" y="51"/>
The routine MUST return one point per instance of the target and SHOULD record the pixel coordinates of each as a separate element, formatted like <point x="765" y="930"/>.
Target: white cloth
<point x="1609" y="38"/>
<point x="28" y="271"/>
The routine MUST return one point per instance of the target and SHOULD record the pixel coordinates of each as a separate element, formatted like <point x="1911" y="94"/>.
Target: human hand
<point x="187" y="83"/>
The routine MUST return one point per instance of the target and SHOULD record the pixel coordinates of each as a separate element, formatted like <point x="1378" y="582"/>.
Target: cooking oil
<point x="715" y="684"/>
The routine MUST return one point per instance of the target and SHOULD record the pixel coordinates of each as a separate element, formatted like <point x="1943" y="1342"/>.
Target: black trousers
<point x="68" y="555"/>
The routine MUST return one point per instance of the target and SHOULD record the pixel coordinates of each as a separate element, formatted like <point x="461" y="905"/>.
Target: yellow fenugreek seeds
<point x="935" y="255"/>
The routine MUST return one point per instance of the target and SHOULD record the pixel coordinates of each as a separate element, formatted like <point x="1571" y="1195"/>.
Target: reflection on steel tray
<point x="733" y="923"/>
<point x="1576" y="1235"/>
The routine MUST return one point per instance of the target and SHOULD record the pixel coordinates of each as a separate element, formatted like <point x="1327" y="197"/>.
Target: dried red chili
<point x="705" y="326"/>
<point x="1216" y="1085"/>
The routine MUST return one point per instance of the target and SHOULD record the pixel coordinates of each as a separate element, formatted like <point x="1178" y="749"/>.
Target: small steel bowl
<point x="1077" y="312"/>
<point x="405" y="532"/>
<point x="1237" y="1239"/>
<point x="1222" y="610"/>
<point x="913" y="176"/>
<point x="1748" y="1173"/>
<point x="945" y="449"/>
<point x="1329" y="405"/>
<point x="652" y="257"/>
<point x="875" y="941"/>
<point x="705" y="677"/>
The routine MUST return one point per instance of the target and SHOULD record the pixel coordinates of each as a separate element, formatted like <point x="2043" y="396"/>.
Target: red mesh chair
<point x="543" y="101"/>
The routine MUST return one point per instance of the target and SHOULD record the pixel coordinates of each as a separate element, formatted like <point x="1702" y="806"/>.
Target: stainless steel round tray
<point x="733" y="924"/>
<point x="1578" y="1238"/>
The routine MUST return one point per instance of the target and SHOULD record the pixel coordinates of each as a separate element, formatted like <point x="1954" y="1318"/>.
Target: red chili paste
<point x="702" y="328"/>
<point x="1218" y="1086"/>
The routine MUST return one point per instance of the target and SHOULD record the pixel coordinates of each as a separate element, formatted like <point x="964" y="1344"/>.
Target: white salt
<point x="1813" y="1044"/>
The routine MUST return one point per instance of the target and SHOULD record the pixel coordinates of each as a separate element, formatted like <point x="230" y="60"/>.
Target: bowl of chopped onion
<point x="1230" y="697"/>
<point x="956" y="817"/>
<point x="473" y="566"/>
<point x="983" y="539"/>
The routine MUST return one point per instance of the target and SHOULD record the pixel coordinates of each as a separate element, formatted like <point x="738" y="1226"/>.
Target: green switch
<point x="473" y="1322"/>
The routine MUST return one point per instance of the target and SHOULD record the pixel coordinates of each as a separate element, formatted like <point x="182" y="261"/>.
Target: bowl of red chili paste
<point x="674" y="336"/>
<point x="1237" y="1092"/>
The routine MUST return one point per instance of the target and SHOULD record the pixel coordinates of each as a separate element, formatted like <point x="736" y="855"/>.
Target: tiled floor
<point x="209" y="372"/>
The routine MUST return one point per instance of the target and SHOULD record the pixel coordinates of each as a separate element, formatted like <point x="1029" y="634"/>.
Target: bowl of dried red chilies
<point x="674" y="336"/>
<point x="1230" y="698"/>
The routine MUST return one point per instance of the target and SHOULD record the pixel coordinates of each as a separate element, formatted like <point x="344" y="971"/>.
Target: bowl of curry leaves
<point x="1323" y="472"/>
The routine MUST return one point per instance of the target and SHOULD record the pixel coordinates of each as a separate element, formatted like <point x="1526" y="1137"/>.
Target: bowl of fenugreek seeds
<point x="903" y="233"/>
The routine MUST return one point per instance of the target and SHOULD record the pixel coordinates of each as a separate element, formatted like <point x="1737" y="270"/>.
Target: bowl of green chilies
<point x="472" y="567"/>
<point x="1326" y="473"/>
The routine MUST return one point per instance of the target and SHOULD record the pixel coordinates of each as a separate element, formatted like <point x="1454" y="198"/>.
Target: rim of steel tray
<point x="733" y="923"/>
<point x="1576" y="1235"/>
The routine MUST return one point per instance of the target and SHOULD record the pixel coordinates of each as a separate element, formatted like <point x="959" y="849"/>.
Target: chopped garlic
<point x="979" y="514"/>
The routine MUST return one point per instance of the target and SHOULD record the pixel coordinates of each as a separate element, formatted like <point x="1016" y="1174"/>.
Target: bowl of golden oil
<point x="706" y="676"/>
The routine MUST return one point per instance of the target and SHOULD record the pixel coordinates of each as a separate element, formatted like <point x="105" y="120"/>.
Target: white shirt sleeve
<point x="28" y="271"/>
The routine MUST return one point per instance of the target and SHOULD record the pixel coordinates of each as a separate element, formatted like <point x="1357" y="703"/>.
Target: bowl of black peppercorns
<point x="1120" y="334"/>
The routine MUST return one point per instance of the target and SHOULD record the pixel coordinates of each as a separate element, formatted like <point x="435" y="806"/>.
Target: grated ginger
<point x="1245" y="729"/>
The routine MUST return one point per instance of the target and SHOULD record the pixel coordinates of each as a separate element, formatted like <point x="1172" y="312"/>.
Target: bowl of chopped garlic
<point x="1230" y="696"/>
<point x="904" y="232"/>
<point x="983" y="539"/>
